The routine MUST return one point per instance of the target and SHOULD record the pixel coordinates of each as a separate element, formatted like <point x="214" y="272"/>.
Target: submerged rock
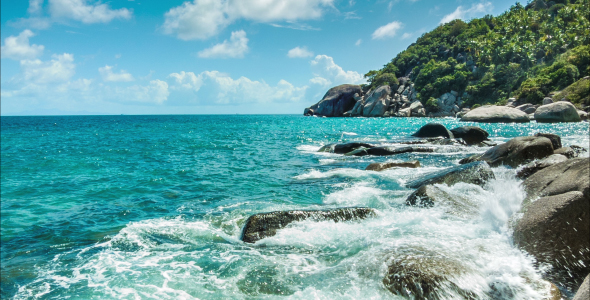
<point x="264" y="225"/>
<point x="472" y="135"/>
<point x="515" y="152"/>
<point x="557" y="112"/>
<point x="433" y="130"/>
<point x="534" y="166"/>
<point x="476" y="173"/>
<point x="387" y="165"/>
<point x="495" y="114"/>
<point x="344" y="148"/>
<point x="336" y="101"/>
<point x="430" y="195"/>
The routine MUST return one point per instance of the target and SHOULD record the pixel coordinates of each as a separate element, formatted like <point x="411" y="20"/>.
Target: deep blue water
<point x="134" y="207"/>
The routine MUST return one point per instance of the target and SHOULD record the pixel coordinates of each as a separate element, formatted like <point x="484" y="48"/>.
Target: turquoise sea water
<point x="151" y="207"/>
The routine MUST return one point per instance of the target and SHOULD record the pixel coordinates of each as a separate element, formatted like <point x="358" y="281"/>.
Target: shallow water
<point x="140" y="207"/>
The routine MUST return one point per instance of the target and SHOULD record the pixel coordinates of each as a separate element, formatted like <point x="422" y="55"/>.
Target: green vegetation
<point x="577" y="93"/>
<point x="526" y="52"/>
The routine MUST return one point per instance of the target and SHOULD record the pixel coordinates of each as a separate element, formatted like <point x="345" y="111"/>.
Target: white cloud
<point x="17" y="47"/>
<point x="236" y="47"/>
<point x="323" y="66"/>
<point x="60" y="68"/>
<point x="388" y="30"/>
<point x="108" y="75"/>
<point x="214" y="87"/>
<point x="80" y="10"/>
<point x="475" y="10"/>
<point x="321" y="81"/>
<point x="358" y="42"/>
<point x="35" y="6"/>
<point x="201" y="19"/>
<point x="156" y="92"/>
<point x="299" y="52"/>
<point x="406" y="35"/>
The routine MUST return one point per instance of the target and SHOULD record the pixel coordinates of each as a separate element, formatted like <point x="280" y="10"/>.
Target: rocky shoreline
<point x="401" y="100"/>
<point x="553" y="225"/>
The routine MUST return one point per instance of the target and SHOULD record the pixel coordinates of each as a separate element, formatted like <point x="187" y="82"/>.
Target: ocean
<point x="152" y="207"/>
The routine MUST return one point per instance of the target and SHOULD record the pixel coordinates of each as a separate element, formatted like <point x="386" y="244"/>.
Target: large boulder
<point x="476" y="173"/>
<point x="583" y="292"/>
<point x="567" y="176"/>
<point x="264" y="225"/>
<point x="357" y="109"/>
<point x="433" y="130"/>
<point x="386" y="150"/>
<point x="495" y="114"/>
<point x="430" y="195"/>
<point x="388" y="165"/>
<point x="336" y="101"/>
<point x="517" y="151"/>
<point x="534" y="166"/>
<point x="472" y="135"/>
<point x="555" y="139"/>
<point x="377" y="102"/>
<point x="344" y="148"/>
<point x="557" y="112"/>
<point x="527" y="108"/>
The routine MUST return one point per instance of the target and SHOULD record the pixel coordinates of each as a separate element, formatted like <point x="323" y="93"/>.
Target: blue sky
<point x="203" y="56"/>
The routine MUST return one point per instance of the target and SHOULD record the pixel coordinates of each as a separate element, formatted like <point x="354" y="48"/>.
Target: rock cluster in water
<point x="554" y="227"/>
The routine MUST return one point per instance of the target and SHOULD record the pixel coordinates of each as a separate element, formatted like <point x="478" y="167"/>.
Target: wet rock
<point x="496" y="114"/>
<point x="386" y="150"/>
<point x="264" y="225"/>
<point x="567" y="152"/>
<point x="557" y="112"/>
<point x="388" y="165"/>
<point x="534" y="166"/>
<point x="555" y="139"/>
<point x="421" y="274"/>
<point x="567" y="176"/>
<point x="476" y="173"/>
<point x="433" y="130"/>
<point x="515" y="152"/>
<point x="344" y="148"/>
<point x="336" y="101"/>
<point x="555" y="230"/>
<point x="430" y="195"/>
<point x="472" y="135"/>
<point x="583" y="292"/>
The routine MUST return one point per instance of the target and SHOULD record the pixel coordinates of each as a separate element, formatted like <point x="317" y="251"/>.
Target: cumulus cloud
<point x="156" y="92"/>
<point x="462" y="13"/>
<point x="35" y="6"/>
<point x="387" y="31"/>
<point x="18" y="47"/>
<point x="108" y="75"/>
<point x="201" y="19"/>
<point x="81" y="10"/>
<point x="220" y="88"/>
<point x="60" y="68"/>
<point x="299" y="52"/>
<point x="328" y="72"/>
<point x="236" y="47"/>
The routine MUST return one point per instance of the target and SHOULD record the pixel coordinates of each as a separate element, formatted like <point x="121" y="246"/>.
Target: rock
<point x="511" y="101"/>
<point x="495" y="114"/>
<point x="387" y="165"/>
<point x="534" y="166"/>
<point x="347" y="147"/>
<point x="433" y="130"/>
<point x="527" y="108"/>
<point x="264" y="225"/>
<point x="517" y="151"/>
<point x="583" y="292"/>
<point x="557" y="112"/>
<point x="416" y="273"/>
<point x="463" y="112"/>
<point x="336" y="101"/>
<point x="555" y="139"/>
<point x="405" y="112"/>
<point x="583" y="115"/>
<point x="441" y="114"/>
<point x="472" y="135"/>
<point x="475" y="173"/>
<point x="377" y="102"/>
<point x="555" y="230"/>
<point x="385" y="150"/>
<point x="357" y="109"/>
<point x="547" y="100"/>
<point x="567" y="176"/>
<point x="430" y="195"/>
<point x="415" y="106"/>
<point x="567" y="152"/>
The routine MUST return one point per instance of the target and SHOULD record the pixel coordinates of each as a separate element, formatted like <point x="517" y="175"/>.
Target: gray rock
<point x="547" y="100"/>
<point x="527" y="108"/>
<point x="534" y="166"/>
<point x="441" y="114"/>
<point x="430" y="195"/>
<point x="566" y="151"/>
<point x="472" y="135"/>
<point x="404" y="112"/>
<point x="456" y="94"/>
<point x="583" y="115"/>
<point x="555" y="139"/>
<point x="463" y="112"/>
<point x="555" y="230"/>
<point x="515" y="152"/>
<point x="476" y="173"/>
<point x="583" y="292"/>
<point x="495" y="114"/>
<point x="377" y="102"/>
<point x="264" y="225"/>
<point x="557" y="112"/>
<point x="336" y="101"/>
<point x="567" y="176"/>
<point x="433" y="130"/>
<point x="388" y="165"/>
<point x="357" y="109"/>
<point x="344" y="148"/>
<point x="385" y="151"/>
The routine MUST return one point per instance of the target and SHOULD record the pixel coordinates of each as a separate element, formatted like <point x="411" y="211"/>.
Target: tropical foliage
<point x="526" y="52"/>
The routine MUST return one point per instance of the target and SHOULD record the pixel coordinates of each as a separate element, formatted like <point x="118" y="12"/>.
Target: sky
<point x="86" y="57"/>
